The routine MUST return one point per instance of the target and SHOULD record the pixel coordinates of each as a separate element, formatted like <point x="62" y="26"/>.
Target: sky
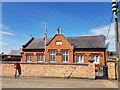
<point x="21" y="19"/>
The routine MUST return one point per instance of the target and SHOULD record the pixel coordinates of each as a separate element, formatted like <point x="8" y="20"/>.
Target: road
<point x="22" y="82"/>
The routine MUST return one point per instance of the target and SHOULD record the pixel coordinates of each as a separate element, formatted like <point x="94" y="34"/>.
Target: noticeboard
<point x="58" y="53"/>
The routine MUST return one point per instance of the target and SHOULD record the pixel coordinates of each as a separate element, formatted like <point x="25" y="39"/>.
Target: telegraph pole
<point x="116" y="34"/>
<point x="114" y="9"/>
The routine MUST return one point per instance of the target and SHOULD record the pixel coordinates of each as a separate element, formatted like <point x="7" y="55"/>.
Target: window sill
<point x="96" y="62"/>
<point x="80" y="62"/>
<point x="65" y="62"/>
<point x="29" y="61"/>
<point x="40" y="61"/>
<point x="52" y="61"/>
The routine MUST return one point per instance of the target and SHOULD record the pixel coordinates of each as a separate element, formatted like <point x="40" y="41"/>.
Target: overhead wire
<point x="109" y="28"/>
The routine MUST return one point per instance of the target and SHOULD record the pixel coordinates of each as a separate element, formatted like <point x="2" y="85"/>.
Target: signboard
<point x="58" y="53"/>
<point x="58" y="42"/>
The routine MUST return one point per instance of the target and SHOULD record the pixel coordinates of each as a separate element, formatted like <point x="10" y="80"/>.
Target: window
<point x="29" y="58"/>
<point x="96" y="58"/>
<point x="80" y="58"/>
<point x="40" y="58"/>
<point x="65" y="56"/>
<point x="52" y="56"/>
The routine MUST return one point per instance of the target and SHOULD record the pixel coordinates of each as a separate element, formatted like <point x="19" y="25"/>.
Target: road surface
<point x="22" y="82"/>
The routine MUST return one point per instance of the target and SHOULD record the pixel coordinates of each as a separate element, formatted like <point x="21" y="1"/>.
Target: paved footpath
<point x="21" y="82"/>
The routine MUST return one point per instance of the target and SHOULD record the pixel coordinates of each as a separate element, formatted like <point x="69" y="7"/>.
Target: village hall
<point x="61" y="49"/>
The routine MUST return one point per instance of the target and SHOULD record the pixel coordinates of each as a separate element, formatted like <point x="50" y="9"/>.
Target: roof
<point x="37" y="43"/>
<point x="87" y="41"/>
<point x="78" y="42"/>
<point x="15" y="52"/>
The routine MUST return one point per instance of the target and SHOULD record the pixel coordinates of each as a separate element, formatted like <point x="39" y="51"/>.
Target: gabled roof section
<point x="37" y="43"/>
<point x="58" y="35"/>
<point x="15" y="52"/>
<point x="78" y="42"/>
<point x="88" y="41"/>
<point x="24" y="46"/>
<point x="51" y="39"/>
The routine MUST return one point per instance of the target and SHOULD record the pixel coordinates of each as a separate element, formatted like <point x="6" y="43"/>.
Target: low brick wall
<point x="111" y="70"/>
<point x="50" y="70"/>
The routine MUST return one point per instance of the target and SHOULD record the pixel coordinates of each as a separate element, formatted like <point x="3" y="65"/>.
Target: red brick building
<point x="61" y="49"/>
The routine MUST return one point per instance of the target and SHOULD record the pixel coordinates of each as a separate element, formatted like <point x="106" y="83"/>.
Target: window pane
<point x="53" y="52"/>
<point x="50" y="52"/>
<point x="77" y="58"/>
<point x="40" y="57"/>
<point x="93" y="57"/>
<point x="54" y="58"/>
<point x="80" y="58"/>
<point x="65" y="56"/>
<point x="66" y="52"/>
<point x="28" y="57"/>
<point x="62" y="57"/>
<point x="96" y="58"/>
<point x="63" y="52"/>
<point x="52" y="55"/>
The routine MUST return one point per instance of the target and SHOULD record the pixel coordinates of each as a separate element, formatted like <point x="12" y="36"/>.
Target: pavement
<point x="28" y="82"/>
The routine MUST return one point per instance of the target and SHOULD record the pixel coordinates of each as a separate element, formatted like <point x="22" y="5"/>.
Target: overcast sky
<point x="21" y="19"/>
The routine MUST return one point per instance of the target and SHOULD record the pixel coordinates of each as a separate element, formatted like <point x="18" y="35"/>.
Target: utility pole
<point x="116" y="34"/>
<point x="114" y="9"/>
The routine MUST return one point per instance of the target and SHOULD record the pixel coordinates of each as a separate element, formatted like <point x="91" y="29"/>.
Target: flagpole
<point x="45" y="52"/>
<point x="45" y="40"/>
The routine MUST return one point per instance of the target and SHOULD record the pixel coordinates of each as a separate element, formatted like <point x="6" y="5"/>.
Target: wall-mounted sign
<point x="58" y="42"/>
<point x="58" y="53"/>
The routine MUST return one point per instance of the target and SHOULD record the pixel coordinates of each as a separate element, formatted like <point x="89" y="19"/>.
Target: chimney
<point x="59" y="31"/>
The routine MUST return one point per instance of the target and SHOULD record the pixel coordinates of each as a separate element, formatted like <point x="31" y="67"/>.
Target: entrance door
<point x="101" y="72"/>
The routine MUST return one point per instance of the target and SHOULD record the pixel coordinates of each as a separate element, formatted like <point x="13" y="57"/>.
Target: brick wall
<point x="87" y="56"/>
<point x="65" y="45"/>
<point x="111" y="69"/>
<point x="57" y="70"/>
<point x="34" y="56"/>
<point x="51" y="70"/>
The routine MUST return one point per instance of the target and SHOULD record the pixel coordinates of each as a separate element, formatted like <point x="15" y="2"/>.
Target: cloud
<point x="26" y="36"/>
<point x="3" y="44"/>
<point x="103" y="30"/>
<point x="44" y="22"/>
<point x="5" y="30"/>
<point x="7" y="33"/>
<point x="4" y="27"/>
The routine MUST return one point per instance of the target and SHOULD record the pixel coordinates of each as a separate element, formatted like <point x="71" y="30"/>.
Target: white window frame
<point x="29" y="58"/>
<point x="80" y="58"/>
<point x="40" y="58"/>
<point x="96" y="58"/>
<point x="65" y="54"/>
<point x="51" y="56"/>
